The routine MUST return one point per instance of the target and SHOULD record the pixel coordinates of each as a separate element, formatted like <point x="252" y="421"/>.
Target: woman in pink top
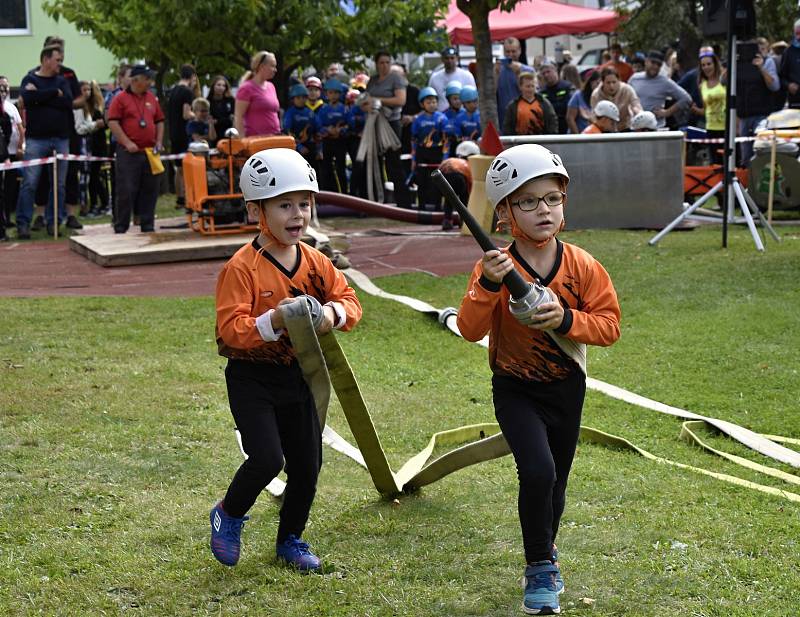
<point x="256" y="110"/>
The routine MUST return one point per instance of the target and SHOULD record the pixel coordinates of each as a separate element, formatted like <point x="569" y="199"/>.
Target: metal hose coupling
<point x="314" y="310"/>
<point x="446" y="313"/>
<point x="526" y="307"/>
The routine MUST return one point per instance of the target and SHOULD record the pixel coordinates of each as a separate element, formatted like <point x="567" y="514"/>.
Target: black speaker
<point x="715" y="18"/>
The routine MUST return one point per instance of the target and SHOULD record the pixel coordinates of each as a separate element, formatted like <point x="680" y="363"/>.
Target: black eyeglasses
<point x="553" y="199"/>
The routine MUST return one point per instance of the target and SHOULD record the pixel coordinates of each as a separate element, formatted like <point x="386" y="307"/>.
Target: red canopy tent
<point x="532" y="18"/>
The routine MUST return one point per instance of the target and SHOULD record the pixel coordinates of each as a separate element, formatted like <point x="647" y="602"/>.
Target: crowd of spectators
<point x="328" y="112"/>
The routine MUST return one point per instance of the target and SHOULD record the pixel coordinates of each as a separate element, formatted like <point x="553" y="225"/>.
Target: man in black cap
<point x="137" y="123"/>
<point x="654" y="89"/>
<point x="450" y="72"/>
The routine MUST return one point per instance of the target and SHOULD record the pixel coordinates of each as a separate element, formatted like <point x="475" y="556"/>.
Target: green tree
<point x="653" y="24"/>
<point x="221" y="35"/>
<point x="478" y="13"/>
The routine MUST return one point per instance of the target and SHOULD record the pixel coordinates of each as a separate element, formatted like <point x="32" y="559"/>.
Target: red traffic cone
<point x="490" y="142"/>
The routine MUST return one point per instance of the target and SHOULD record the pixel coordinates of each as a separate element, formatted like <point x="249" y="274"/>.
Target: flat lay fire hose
<point x="323" y="357"/>
<point x="324" y="364"/>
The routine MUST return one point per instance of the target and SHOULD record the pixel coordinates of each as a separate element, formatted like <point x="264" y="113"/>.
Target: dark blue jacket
<point x="429" y="130"/>
<point x="356" y="119"/>
<point x="48" y="114"/>
<point x="790" y="72"/>
<point x="468" y="125"/>
<point x="299" y="123"/>
<point x="330" y="116"/>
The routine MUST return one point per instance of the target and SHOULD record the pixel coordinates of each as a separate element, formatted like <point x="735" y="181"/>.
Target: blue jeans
<point x="747" y="127"/>
<point x="35" y="148"/>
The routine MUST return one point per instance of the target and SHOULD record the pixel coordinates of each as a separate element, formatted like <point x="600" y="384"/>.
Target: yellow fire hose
<point x="324" y="365"/>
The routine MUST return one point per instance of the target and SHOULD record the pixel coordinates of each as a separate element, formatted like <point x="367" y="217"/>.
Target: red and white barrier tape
<point x="74" y="157"/>
<point x="720" y="140"/>
<point x="29" y="163"/>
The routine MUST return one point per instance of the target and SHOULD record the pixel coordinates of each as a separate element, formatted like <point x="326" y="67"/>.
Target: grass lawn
<point x="116" y="439"/>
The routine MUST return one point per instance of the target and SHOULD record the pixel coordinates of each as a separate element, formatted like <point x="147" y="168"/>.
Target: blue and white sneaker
<point x="297" y="553"/>
<point x="541" y="596"/>
<point x="226" y="533"/>
<point x="559" y="580"/>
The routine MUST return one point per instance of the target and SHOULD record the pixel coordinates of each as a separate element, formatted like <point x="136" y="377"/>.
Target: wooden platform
<point x="162" y="246"/>
<point x="171" y="242"/>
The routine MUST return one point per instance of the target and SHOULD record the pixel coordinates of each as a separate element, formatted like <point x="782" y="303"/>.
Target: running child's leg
<point x="301" y="440"/>
<point x="301" y="437"/>
<point x="253" y="407"/>
<point x="526" y="434"/>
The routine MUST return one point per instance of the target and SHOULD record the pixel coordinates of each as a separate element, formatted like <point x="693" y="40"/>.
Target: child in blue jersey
<point x="428" y="140"/>
<point x="298" y="121"/>
<point x="332" y="128"/>
<point x="202" y="126"/>
<point x="356" y="119"/>
<point x="468" y="121"/>
<point x="453" y="94"/>
<point x="314" y="87"/>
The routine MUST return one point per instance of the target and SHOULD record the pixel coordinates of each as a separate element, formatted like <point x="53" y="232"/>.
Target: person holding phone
<point x="506" y="72"/>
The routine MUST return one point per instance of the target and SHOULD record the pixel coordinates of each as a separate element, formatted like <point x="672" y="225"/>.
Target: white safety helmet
<point x="276" y="171"/>
<point x="514" y="167"/>
<point x="467" y="148"/>
<point x="606" y="109"/>
<point x="644" y="121"/>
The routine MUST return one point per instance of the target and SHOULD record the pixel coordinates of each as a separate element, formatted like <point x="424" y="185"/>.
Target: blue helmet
<point x="469" y="93"/>
<point x="453" y="87"/>
<point x="426" y="92"/>
<point x="298" y="90"/>
<point x="334" y="84"/>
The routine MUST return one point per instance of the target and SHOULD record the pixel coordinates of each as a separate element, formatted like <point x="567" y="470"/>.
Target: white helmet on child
<point x="514" y="167"/>
<point x="276" y="171"/>
<point x="467" y="148"/>
<point x="606" y="109"/>
<point x="644" y="121"/>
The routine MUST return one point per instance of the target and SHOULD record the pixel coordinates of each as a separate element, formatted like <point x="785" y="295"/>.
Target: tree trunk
<point x="478" y="13"/>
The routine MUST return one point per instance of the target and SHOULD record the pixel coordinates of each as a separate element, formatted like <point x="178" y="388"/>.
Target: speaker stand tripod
<point x="746" y="204"/>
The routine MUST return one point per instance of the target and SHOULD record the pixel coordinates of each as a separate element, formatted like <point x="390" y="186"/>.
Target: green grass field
<point x="116" y="439"/>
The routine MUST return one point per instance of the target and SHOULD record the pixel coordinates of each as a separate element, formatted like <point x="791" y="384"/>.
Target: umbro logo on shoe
<point x="217" y="521"/>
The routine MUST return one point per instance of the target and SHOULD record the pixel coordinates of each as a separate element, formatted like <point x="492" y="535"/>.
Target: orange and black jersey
<point x="591" y="315"/>
<point x="252" y="282"/>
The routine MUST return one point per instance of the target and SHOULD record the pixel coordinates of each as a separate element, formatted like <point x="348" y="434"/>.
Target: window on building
<point x="14" y="17"/>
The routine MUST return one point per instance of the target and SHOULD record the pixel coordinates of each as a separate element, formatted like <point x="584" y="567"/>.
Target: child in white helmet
<point x="271" y="403"/>
<point x="538" y="357"/>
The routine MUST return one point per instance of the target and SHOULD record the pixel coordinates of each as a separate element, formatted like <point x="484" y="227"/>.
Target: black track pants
<point x="275" y="414"/>
<point x="541" y="423"/>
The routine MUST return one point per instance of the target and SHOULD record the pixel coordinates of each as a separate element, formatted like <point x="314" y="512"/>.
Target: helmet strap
<point x="264" y="227"/>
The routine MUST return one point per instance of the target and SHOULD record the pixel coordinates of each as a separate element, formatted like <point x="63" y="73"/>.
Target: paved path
<point x="41" y="268"/>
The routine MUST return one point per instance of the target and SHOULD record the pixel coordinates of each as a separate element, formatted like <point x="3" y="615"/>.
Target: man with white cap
<point x="449" y="72"/>
<point x="606" y="116"/>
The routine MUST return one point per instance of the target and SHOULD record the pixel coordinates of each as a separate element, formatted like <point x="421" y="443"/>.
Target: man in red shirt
<point x="137" y="122"/>
<point x="624" y="70"/>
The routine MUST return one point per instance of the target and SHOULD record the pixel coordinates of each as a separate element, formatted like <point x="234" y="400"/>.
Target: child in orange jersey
<point x="271" y="403"/>
<point x="538" y="357"/>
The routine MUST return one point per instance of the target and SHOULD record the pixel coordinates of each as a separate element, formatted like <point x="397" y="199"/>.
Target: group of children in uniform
<point x="538" y="383"/>
<point x="435" y="136"/>
<point x="326" y="130"/>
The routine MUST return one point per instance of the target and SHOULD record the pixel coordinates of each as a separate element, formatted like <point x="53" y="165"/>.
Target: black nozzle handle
<point x="516" y="285"/>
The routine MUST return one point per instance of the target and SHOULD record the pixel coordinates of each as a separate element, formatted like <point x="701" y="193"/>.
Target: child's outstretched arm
<point x="483" y="294"/>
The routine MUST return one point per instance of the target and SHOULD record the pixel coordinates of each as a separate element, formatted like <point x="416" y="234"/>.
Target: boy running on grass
<point x="538" y="358"/>
<point x="270" y="401"/>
